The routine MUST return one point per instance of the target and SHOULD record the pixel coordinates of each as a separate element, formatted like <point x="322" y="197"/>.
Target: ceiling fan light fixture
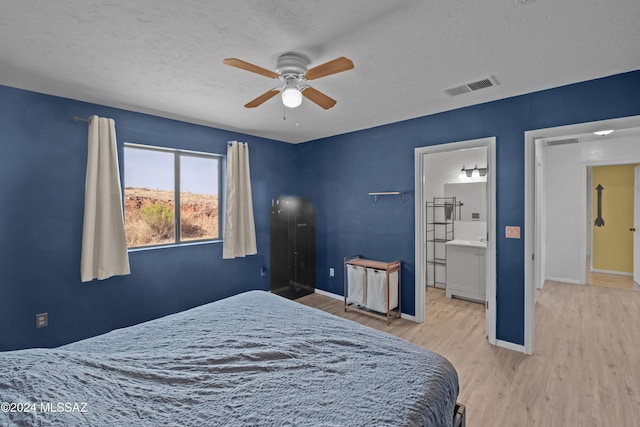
<point x="291" y="95"/>
<point x="291" y="69"/>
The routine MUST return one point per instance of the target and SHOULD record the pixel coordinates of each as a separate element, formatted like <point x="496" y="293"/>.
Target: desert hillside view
<point x="149" y="217"/>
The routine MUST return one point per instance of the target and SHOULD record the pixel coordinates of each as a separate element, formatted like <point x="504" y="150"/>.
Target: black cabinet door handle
<point x="632" y="229"/>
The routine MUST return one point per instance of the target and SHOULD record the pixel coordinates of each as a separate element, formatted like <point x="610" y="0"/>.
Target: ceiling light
<point x="476" y="172"/>
<point x="463" y="173"/>
<point x="604" y="132"/>
<point x="291" y="95"/>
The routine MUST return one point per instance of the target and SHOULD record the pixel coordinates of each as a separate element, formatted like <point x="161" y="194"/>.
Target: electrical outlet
<point x="332" y="272"/>
<point x="263" y="271"/>
<point x="512" y="232"/>
<point x="42" y="320"/>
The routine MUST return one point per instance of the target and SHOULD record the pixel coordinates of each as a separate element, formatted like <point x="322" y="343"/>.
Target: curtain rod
<point x="80" y="119"/>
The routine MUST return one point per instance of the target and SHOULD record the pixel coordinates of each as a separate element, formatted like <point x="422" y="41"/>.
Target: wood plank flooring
<point x="585" y="370"/>
<point x="617" y="281"/>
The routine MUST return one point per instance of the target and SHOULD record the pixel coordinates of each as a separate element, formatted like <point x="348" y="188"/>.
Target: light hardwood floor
<point x="585" y="370"/>
<point x="617" y="281"/>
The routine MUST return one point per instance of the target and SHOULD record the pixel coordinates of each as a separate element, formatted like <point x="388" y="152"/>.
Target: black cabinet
<point x="292" y="247"/>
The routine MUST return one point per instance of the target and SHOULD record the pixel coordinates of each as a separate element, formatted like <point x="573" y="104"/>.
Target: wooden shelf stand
<point x="389" y="268"/>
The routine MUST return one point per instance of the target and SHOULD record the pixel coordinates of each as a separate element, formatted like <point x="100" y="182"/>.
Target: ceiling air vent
<point x="562" y="141"/>
<point x="471" y="87"/>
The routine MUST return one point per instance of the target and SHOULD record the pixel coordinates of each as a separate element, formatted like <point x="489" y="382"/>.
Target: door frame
<point x="534" y="255"/>
<point x="420" y="230"/>
<point x="636" y="225"/>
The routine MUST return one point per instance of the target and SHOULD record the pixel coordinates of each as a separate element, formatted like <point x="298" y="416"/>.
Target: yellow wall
<point x="613" y="243"/>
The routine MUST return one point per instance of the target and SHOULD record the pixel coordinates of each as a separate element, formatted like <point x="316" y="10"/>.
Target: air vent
<point x="562" y="141"/>
<point x="458" y="90"/>
<point x="471" y="87"/>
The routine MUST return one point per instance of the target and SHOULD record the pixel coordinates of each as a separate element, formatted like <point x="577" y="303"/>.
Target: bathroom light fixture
<point x="475" y="172"/>
<point x="291" y="95"/>
<point x="603" y="132"/>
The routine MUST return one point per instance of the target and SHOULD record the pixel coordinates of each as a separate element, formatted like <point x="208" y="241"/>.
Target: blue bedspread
<point x="254" y="359"/>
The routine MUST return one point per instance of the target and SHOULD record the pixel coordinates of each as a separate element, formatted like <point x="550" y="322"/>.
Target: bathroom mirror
<point x="473" y="196"/>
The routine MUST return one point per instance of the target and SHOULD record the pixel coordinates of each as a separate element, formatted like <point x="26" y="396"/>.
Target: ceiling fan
<point x="293" y="75"/>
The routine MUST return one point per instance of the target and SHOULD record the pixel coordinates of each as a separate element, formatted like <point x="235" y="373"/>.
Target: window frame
<point x="177" y="153"/>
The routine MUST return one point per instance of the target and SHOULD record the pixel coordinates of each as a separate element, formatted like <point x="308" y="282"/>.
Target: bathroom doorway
<point x="455" y="205"/>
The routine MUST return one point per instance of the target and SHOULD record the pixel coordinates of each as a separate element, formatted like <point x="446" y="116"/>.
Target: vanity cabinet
<point x="466" y="270"/>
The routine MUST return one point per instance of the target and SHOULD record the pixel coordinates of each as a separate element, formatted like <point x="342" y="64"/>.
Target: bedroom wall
<point x="42" y="170"/>
<point x="42" y="166"/>
<point x="338" y="172"/>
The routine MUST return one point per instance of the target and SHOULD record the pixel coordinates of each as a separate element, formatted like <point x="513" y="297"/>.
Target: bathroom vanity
<point x="466" y="269"/>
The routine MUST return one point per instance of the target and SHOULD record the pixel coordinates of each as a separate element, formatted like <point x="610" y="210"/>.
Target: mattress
<point x="254" y="359"/>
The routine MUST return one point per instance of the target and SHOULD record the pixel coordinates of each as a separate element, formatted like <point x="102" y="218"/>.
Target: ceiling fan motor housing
<point x="289" y="64"/>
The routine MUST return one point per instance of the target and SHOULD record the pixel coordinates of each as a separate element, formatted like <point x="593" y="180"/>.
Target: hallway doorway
<point x="556" y="227"/>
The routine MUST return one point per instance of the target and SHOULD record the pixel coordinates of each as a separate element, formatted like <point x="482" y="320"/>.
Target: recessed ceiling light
<point x="603" y="132"/>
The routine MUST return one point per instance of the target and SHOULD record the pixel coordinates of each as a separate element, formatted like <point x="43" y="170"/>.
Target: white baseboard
<point x="329" y="294"/>
<point x="511" y="346"/>
<point x="563" y="280"/>
<point x="619" y="273"/>
<point x="408" y="317"/>
<point x="341" y="298"/>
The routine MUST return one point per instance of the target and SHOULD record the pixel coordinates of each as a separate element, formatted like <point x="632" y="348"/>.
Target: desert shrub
<point x="159" y="217"/>
<point x="190" y="230"/>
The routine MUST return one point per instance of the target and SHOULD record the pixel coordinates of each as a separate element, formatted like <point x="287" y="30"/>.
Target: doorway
<point x="610" y="220"/>
<point x="426" y="178"/>
<point x="543" y="254"/>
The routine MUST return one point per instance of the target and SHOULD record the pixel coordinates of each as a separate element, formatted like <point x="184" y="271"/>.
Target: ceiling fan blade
<point x="243" y="65"/>
<point x="314" y="95"/>
<point x="262" y="98"/>
<point x="337" y="65"/>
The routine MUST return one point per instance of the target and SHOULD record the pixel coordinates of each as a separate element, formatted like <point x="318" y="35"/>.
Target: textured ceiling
<point x="164" y="57"/>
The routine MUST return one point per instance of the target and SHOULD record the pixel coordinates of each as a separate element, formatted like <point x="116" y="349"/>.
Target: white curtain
<point x="239" y="227"/>
<point x="104" y="246"/>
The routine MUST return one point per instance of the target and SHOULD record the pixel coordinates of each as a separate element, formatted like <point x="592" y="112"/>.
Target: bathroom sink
<point x="468" y="243"/>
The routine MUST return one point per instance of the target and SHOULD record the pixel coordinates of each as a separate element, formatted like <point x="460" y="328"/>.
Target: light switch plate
<point x="512" y="232"/>
<point x="331" y="272"/>
<point x="42" y="320"/>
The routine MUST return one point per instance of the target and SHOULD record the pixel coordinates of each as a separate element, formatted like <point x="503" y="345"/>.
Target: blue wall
<point x="340" y="171"/>
<point x="42" y="171"/>
<point x="42" y="167"/>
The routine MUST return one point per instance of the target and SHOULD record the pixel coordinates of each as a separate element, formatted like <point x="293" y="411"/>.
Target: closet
<point x="292" y="267"/>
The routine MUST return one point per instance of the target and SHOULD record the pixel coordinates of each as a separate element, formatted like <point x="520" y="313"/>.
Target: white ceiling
<point x="164" y="57"/>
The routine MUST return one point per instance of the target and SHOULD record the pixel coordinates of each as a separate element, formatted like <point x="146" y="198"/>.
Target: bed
<point x="254" y="359"/>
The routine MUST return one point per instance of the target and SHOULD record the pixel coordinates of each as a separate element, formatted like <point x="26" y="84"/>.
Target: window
<point x="156" y="180"/>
